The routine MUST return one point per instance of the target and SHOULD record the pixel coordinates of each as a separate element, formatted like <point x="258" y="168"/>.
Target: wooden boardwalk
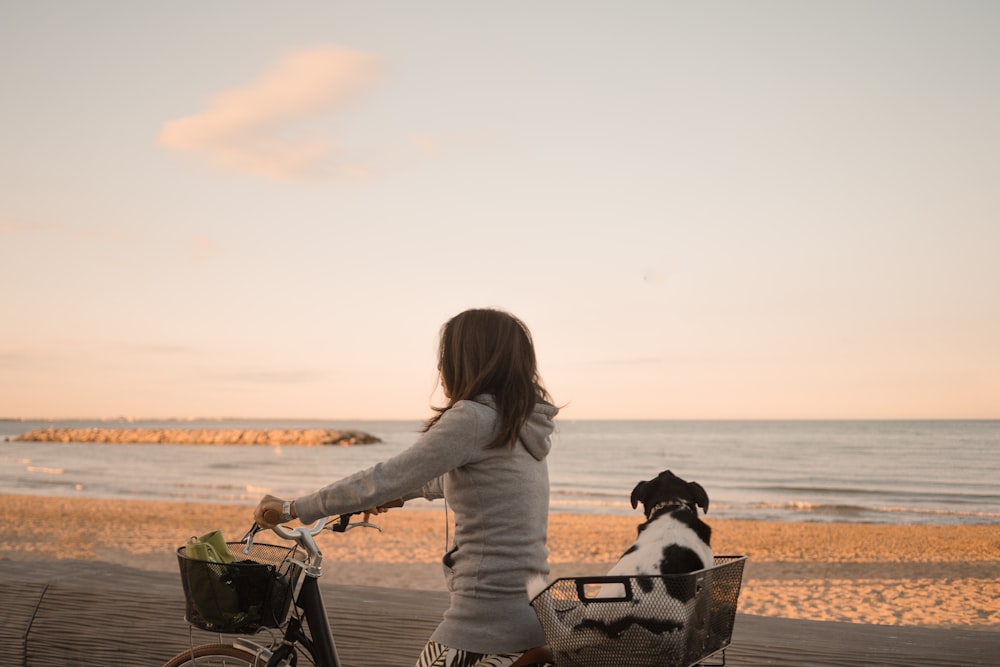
<point x="81" y="613"/>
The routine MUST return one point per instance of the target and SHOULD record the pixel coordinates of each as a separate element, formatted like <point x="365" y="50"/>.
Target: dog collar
<point x="657" y="507"/>
<point x="665" y="504"/>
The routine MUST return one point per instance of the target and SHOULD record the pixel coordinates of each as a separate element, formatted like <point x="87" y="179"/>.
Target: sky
<point x="702" y="210"/>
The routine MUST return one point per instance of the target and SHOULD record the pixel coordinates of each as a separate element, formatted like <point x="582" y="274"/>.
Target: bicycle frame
<point x="320" y="646"/>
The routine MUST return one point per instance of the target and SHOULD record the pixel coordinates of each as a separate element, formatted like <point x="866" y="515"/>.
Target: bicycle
<point x="270" y="585"/>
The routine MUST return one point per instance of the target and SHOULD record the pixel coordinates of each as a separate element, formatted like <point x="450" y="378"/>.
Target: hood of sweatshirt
<point x="537" y="429"/>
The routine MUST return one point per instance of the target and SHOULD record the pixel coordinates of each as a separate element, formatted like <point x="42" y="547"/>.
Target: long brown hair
<point x="488" y="351"/>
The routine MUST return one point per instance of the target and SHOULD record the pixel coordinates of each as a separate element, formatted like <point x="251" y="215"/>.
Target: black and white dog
<point x="658" y="613"/>
<point x="673" y="540"/>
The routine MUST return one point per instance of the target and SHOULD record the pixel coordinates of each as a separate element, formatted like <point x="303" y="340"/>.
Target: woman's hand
<point x="271" y="511"/>
<point x="384" y="507"/>
<point x="381" y="509"/>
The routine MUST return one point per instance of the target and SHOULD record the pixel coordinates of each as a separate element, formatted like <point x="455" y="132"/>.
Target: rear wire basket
<point x="243" y="596"/>
<point x="675" y="620"/>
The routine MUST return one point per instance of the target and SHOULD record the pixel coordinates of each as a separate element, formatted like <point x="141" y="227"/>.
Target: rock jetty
<point x="182" y="436"/>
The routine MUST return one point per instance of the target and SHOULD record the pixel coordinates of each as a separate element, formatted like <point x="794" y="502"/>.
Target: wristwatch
<point x="286" y="511"/>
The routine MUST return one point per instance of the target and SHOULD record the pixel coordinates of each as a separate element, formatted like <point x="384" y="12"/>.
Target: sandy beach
<point x="943" y="576"/>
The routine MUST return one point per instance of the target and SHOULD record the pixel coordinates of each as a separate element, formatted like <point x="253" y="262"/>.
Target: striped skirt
<point x="439" y="655"/>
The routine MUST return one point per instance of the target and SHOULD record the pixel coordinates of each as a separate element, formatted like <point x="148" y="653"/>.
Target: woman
<point x="484" y="453"/>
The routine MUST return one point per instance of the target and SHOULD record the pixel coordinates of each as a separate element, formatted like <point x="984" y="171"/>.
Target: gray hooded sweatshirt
<point x="501" y="502"/>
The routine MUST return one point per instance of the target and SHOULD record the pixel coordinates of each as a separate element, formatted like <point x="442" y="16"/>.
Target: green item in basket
<point x="211" y="585"/>
<point x="209" y="547"/>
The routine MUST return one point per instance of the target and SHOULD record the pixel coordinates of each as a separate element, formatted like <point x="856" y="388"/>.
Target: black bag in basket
<point x="240" y="596"/>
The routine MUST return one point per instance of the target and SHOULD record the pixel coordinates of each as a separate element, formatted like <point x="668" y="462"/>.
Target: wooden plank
<point x="103" y="614"/>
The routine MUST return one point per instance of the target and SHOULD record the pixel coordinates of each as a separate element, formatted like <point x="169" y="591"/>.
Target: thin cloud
<point x="11" y="359"/>
<point x="262" y="129"/>
<point x="17" y="227"/>
<point x="204" y="248"/>
<point x="647" y="361"/>
<point x="273" y="377"/>
<point x="156" y="348"/>
<point x="426" y="144"/>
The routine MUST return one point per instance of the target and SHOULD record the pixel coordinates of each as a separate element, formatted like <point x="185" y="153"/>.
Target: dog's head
<point x="669" y="489"/>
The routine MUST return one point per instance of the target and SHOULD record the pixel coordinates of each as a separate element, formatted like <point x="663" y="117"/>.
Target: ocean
<point x="898" y="472"/>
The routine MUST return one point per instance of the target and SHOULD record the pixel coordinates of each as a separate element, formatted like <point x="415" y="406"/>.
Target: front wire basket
<point x="675" y="620"/>
<point x="243" y="596"/>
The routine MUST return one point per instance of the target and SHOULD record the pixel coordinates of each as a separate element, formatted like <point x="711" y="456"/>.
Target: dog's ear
<point x="639" y="493"/>
<point x="699" y="495"/>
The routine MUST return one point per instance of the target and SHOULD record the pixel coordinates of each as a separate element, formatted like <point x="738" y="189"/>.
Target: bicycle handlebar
<point x="292" y="533"/>
<point x="342" y="524"/>
<point x="304" y="534"/>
